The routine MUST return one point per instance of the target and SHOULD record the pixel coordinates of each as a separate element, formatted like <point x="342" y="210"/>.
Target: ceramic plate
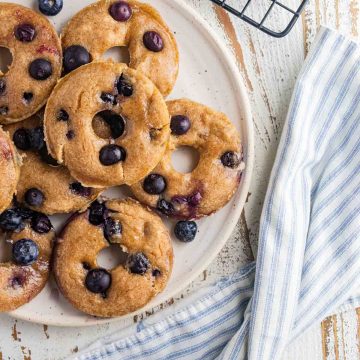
<point x="208" y="74"/>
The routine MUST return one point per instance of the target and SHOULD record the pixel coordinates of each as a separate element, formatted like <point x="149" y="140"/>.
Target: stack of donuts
<point x="73" y="125"/>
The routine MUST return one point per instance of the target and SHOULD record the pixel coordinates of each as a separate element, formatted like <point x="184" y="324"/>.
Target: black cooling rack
<point x="273" y="5"/>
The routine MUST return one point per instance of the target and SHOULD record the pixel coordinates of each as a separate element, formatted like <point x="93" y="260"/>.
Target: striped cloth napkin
<point x="308" y="262"/>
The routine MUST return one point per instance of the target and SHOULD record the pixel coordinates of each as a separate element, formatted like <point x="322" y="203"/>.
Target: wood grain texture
<point x="269" y="68"/>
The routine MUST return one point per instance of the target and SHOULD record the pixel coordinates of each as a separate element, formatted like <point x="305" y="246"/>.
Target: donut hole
<point x="6" y="59"/>
<point x="119" y="54"/>
<point x="111" y="257"/>
<point x="5" y="250"/>
<point x="108" y="124"/>
<point x="185" y="159"/>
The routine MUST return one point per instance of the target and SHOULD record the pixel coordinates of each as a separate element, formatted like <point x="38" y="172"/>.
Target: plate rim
<point x="246" y="180"/>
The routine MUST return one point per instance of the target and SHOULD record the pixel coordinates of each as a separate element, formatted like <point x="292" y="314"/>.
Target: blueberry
<point x="115" y="121"/>
<point x="36" y="138"/>
<point x="74" y="57"/>
<point x="108" y="98"/>
<point x="28" y="96"/>
<point x="80" y="190"/>
<point x="180" y="124"/>
<point x="40" y="69"/>
<point x="41" y="223"/>
<point x="230" y="159"/>
<point x="124" y="86"/>
<point x="4" y="110"/>
<point x="111" y="155"/>
<point x="138" y="263"/>
<point x="46" y="157"/>
<point x="154" y="184"/>
<point x="112" y="229"/>
<point x="70" y="134"/>
<point x="25" y="252"/>
<point x="25" y="32"/>
<point x="50" y="7"/>
<point x="34" y="197"/>
<point x="62" y="115"/>
<point x="97" y="213"/>
<point x="185" y="231"/>
<point x="2" y="86"/>
<point x="25" y="213"/>
<point x="98" y="281"/>
<point x="21" y="139"/>
<point x="153" y="41"/>
<point x="120" y="11"/>
<point x="165" y="207"/>
<point x="11" y="220"/>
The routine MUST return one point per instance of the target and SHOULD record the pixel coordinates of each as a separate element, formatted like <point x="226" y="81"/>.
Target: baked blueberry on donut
<point x="36" y="65"/>
<point x="40" y="69"/>
<point x="31" y="238"/>
<point x="25" y="32"/>
<point x="44" y="185"/>
<point x="74" y="57"/>
<point x="112" y="111"/>
<point x="144" y="272"/>
<point x="150" y="42"/>
<point x="120" y="11"/>
<point x="215" y="178"/>
<point x="10" y="163"/>
<point x="180" y="124"/>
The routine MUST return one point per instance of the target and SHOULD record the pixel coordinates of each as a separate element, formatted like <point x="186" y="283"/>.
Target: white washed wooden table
<point x="269" y="68"/>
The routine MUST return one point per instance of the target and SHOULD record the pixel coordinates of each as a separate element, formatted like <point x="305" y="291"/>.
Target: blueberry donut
<point x="10" y="163"/>
<point x="143" y="273"/>
<point x="44" y="185"/>
<point x="31" y="236"/>
<point x="216" y="177"/>
<point x="36" y="66"/>
<point x="124" y="101"/>
<point x="109" y="23"/>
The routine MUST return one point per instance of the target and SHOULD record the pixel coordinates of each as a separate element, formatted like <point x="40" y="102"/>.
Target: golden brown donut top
<point x="211" y="184"/>
<point x="62" y="193"/>
<point x="19" y="284"/>
<point x="97" y="31"/>
<point x="75" y="142"/>
<point x="10" y="163"/>
<point x="30" y="38"/>
<point x="79" y="244"/>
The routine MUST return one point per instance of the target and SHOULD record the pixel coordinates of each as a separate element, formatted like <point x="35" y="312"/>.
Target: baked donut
<point x="144" y="273"/>
<point x="37" y="62"/>
<point x="44" y="185"/>
<point x="31" y="236"/>
<point x="130" y="105"/>
<point x="109" y="23"/>
<point x="10" y="163"/>
<point x="216" y="177"/>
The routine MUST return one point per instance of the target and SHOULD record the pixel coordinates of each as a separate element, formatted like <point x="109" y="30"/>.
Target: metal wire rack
<point x="240" y="11"/>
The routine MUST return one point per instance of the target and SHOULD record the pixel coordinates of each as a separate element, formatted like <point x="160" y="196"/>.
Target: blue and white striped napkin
<point x="308" y="262"/>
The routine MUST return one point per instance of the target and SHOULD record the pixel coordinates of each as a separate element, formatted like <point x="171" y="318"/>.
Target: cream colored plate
<point x="208" y="74"/>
